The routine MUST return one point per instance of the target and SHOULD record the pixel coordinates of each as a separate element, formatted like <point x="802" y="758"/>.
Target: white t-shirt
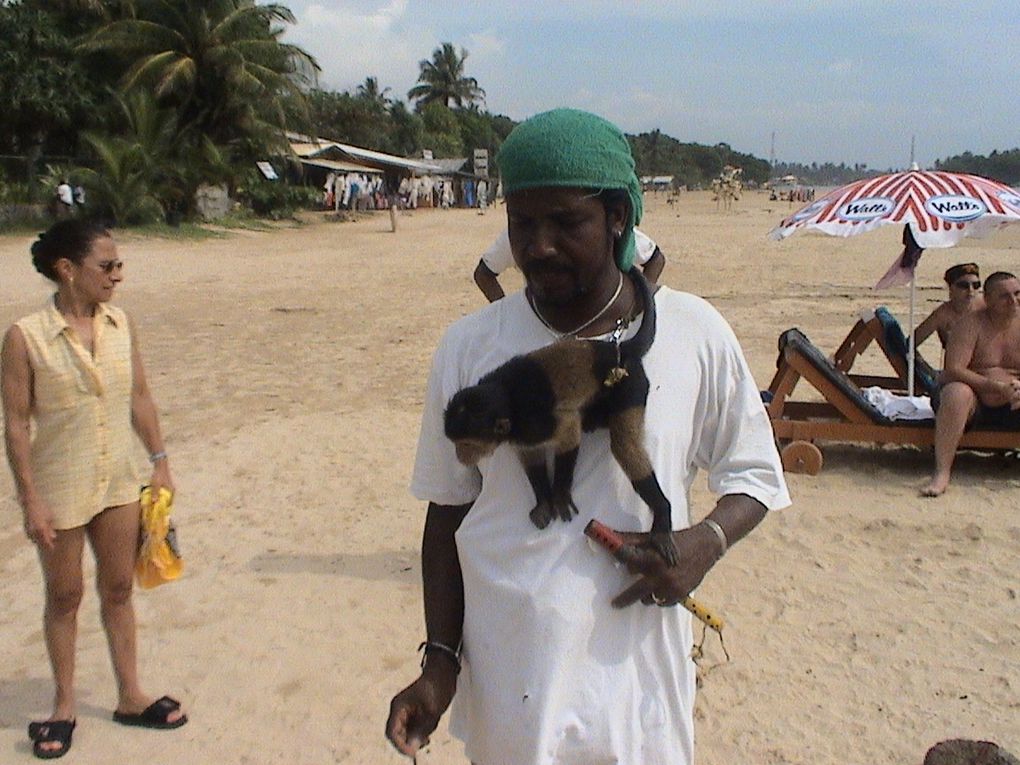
<point x="498" y="258"/>
<point x="552" y="673"/>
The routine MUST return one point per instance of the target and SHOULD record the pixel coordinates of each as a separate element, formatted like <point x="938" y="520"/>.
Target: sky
<point x="821" y="81"/>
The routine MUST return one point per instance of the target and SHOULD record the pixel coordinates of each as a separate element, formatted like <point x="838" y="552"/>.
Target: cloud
<point x="352" y="43"/>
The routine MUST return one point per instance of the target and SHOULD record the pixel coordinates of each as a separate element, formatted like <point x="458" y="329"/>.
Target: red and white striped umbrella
<point x="941" y="208"/>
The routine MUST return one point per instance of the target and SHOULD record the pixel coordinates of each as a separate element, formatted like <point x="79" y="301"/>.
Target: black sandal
<point x="49" y="732"/>
<point x="156" y="715"/>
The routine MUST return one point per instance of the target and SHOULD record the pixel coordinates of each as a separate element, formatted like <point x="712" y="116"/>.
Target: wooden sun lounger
<point x="879" y="326"/>
<point x="845" y="414"/>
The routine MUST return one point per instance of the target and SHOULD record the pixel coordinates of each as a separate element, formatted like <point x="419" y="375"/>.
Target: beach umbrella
<point x="936" y="209"/>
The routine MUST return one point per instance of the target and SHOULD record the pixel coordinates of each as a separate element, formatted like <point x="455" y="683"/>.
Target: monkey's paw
<point x="541" y="515"/>
<point x="662" y="543"/>
<point x="565" y="508"/>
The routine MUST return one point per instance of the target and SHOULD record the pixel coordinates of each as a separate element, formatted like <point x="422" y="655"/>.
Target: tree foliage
<point x="442" y="80"/>
<point x="1002" y="166"/>
<point x="218" y="63"/>
<point x="691" y="164"/>
<point x="47" y="93"/>
<point x="825" y="174"/>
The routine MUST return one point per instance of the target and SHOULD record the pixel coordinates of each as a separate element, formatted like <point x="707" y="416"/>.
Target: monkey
<point x="547" y="397"/>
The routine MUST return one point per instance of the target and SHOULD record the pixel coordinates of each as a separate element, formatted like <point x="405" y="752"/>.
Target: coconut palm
<point x="220" y="63"/>
<point x="442" y="80"/>
<point x="369" y="91"/>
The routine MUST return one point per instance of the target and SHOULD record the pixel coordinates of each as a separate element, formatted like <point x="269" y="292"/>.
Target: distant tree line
<point x="1003" y="166"/>
<point x="825" y="174"/>
<point x="691" y="164"/>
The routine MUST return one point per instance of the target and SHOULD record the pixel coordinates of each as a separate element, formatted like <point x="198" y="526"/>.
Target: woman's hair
<point x="71" y="239"/>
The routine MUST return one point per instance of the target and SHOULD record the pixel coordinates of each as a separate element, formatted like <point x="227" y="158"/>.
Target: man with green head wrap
<point x="558" y="664"/>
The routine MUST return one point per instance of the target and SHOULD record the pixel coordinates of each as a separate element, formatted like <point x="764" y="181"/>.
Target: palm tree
<point x="220" y="63"/>
<point x="369" y="91"/>
<point x="442" y="80"/>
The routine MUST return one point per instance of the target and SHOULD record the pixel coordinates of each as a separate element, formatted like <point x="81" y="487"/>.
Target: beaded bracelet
<point x="433" y="646"/>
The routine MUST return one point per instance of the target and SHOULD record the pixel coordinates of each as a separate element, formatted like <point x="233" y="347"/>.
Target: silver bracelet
<point x="723" y="544"/>
<point x="434" y="646"/>
<point x="156" y="457"/>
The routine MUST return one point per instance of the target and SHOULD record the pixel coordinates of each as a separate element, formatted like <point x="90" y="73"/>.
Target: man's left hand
<point x="659" y="583"/>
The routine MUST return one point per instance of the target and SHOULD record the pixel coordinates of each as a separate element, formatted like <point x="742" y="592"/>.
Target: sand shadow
<point x="904" y="464"/>
<point x="385" y="565"/>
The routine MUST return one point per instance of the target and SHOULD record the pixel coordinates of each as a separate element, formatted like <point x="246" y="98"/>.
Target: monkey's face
<point x="477" y="422"/>
<point x="470" y="450"/>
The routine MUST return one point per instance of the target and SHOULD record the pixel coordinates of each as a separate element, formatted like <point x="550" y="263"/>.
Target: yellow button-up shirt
<point x="85" y="455"/>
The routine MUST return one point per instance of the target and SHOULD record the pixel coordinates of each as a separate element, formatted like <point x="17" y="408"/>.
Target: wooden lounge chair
<point x="844" y="414"/>
<point x="879" y="326"/>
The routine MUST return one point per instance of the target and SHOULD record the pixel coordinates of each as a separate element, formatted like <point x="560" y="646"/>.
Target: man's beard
<point x="554" y="283"/>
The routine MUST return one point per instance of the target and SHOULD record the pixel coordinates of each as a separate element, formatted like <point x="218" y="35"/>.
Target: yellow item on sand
<point x="159" y="561"/>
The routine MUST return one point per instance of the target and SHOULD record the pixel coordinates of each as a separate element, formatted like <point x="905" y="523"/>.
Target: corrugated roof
<point x="343" y="167"/>
<point x="308" y="147"/>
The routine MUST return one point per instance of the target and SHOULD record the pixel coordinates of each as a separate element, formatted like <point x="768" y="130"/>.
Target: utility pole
<point x="772" y="151"/>
<point x="912" y="165"/>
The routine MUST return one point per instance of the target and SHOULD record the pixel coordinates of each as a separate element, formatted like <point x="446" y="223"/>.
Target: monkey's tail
<point x="637" y="346"/>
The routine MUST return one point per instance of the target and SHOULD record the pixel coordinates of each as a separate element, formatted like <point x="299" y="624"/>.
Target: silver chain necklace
<point x="555" y="332"/>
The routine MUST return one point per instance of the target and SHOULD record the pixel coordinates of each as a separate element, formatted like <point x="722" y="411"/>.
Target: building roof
<point x="341" y="167"/>
<point x="320" y="148"/>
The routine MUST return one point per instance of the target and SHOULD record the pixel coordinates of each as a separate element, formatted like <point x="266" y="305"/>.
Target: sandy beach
<point x="864" y="624"/>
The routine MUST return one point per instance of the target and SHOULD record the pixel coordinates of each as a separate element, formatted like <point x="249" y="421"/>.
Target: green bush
<point x="277" y="199"/>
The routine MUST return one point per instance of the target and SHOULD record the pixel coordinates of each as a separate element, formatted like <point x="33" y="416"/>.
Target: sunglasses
<point x="965" y="284"/>
<point x="109" y="266"/>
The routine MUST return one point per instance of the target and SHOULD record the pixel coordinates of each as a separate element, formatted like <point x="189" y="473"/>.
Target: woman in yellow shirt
<point x="72" y="371"/>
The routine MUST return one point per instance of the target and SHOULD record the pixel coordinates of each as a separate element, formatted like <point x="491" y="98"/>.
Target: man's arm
<point x="415" y="711"/>
<point x="488" y="282"/>
<point x="963" y="343"/>
<point x="653" y="267"/>
<point x="926" y="327"/>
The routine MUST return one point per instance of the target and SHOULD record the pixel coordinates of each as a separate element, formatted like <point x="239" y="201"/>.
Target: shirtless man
<point x="981" y="379"/>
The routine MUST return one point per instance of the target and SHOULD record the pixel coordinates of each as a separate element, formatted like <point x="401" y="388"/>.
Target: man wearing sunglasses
<point x="981" y="379"/>
<point x="964" y="283"/>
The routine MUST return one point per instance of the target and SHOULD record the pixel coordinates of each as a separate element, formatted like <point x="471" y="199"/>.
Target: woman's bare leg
<point x="63" y="575"/>
<point x="114" y="538"/>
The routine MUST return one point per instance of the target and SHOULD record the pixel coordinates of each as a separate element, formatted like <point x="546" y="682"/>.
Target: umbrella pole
<point x="910" y="342"/>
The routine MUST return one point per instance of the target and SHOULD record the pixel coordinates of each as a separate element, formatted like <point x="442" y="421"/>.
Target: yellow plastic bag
<point x="159" y="560"/>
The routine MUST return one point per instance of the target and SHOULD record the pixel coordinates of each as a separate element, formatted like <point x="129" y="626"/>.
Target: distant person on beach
<point x="981" y="378"/>
<point x="964" y="283"/>
<point x="550" y="651"/>
<point x="498" y="258"/>
<point x="71" y="373"/>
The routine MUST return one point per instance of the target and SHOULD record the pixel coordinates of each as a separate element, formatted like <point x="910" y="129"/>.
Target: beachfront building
<point x="353" y="178"/>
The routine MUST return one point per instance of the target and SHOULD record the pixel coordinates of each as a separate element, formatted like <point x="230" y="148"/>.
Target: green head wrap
<point x="572" y="148"/>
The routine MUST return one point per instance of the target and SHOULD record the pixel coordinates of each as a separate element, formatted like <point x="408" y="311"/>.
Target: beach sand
<point x="864" y="623"/>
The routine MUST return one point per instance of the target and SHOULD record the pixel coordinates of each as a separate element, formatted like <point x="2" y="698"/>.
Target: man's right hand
<point x="416" y="710"/>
